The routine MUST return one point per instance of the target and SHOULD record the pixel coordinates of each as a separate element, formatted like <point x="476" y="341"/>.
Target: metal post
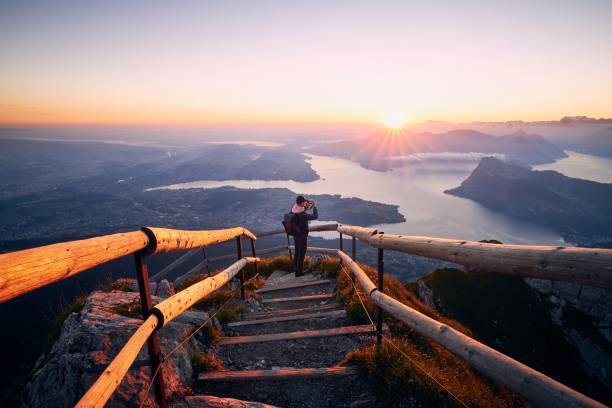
<point x="254" y="255"/>
<point x="206" y="259"/>
<point x="290" y="255"/>
<point x="381" y="288"/>
<point x="354" y="245"/>
<point x="142" y="276"/>
<point x="341" y="247"/>
<point x="241" y="276"/>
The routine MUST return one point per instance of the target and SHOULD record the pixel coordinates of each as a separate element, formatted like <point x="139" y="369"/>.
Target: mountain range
<point x="395" y="148"/>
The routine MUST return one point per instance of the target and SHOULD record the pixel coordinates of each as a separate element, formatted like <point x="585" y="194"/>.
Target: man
<point x="300" y="237"/>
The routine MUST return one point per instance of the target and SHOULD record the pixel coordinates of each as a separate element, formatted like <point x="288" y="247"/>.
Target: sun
<point x="394" y="122"/>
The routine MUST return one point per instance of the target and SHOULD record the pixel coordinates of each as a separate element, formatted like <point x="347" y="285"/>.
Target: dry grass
<point x="393" y="288"/>
<point x="132" y="309"/>
<point x="400" y="377"/>
<point x="206" y="361"/>
<point x="121" y="284"/>
<point x="405" y="377"/>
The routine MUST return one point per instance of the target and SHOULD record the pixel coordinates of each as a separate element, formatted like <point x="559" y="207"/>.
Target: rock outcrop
<point x="88" y="342"/>
<point x="585" y="315"/>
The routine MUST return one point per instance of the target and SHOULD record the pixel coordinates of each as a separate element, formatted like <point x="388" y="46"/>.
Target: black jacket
<point x="303" y="218"/>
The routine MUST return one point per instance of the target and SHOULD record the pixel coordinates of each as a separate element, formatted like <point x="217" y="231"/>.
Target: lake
<point x="418" y="190"/>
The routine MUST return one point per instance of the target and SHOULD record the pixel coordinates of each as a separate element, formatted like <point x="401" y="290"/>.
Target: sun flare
<point x="394" y="122"/>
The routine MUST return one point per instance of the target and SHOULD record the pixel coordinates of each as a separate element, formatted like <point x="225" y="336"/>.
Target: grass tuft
<point x="121" y="284"/>
<point x="132" y="309"/>
<point x="206" y="361"/>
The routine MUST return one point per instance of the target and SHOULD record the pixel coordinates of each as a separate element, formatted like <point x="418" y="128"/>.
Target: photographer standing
<point x="301" y="235"/>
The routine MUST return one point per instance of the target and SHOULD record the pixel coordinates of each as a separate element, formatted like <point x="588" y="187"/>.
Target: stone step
<point x="337" y="331"/>
<point x="288" y="312"/>
<point x="333" y="313"/>
<point x="299" y="298"/>
<point x="277" y="374"/>
<point x="293" y="285"/>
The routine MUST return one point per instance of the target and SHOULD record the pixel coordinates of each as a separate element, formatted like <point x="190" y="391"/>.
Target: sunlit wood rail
<point x="585" y="266"/>
<point x="24" y="271"/>
<point x="526" y="382"/>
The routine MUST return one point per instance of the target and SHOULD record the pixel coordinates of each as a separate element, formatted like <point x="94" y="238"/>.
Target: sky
<point x="186" y="62"/>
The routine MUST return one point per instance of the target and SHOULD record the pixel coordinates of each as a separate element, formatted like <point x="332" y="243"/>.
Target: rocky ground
<point x="585" y="314"/>
<point x="91" y="338"/>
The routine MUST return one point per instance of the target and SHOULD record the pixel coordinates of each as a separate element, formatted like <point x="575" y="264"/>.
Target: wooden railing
<point x="161" y="315"/>
<point x="526" y="382"/>
<point x="584" y="266"/>
<point x="24" y="271"/>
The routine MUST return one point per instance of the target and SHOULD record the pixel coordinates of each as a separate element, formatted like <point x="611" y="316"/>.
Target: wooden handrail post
<point x="142" y="276"/>
<point x="354" y="248"/>
<point x="290" y="255"/>
<point x="254" y="255"/>
<point x="241" y="275"/>
<point x="379" y="311"/>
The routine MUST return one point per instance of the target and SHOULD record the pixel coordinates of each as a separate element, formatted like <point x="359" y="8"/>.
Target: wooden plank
<point x="109" y="380"/>
<point x="528" y="383"/>
<point x="210" y="401"/>
<point x="334" y="313"/>
<point x="24" y="271"/>
<point x="585" y="266"/>
<point x="175" y="264"/>
<point x="299" y="298"/>
<point x="177" y="304"/>
<point x="273" y="288"/>
<point x="286" y="312"/>
<point x="278" y="374"/>
<point x="272" y="250"/>
<point x="306" y="334"/>
<point x="167" y="240"/>
<point x="193" y="271"/>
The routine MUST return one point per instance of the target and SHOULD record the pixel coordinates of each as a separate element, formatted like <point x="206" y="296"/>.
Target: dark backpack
<point x="290" y="222"/>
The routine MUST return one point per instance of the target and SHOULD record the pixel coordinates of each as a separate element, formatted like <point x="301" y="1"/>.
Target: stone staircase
<point x="289" y="353"/>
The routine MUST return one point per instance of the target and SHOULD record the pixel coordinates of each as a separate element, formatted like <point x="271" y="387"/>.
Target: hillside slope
<point x="530" y="325"/>
<point x="581" y="210"/>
